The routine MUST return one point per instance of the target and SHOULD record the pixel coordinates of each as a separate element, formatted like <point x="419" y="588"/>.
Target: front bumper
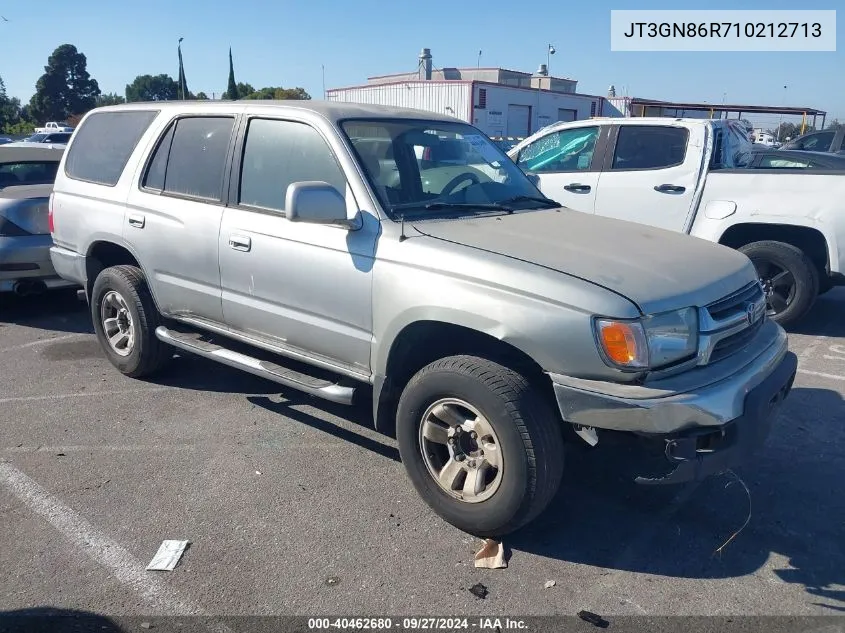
<point x="708" y="420"/>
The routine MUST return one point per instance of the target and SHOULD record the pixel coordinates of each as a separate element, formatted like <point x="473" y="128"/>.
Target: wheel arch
<point x="422" y="341"/>
<point x="106" y="252"/>
<point x="819" y="247"/>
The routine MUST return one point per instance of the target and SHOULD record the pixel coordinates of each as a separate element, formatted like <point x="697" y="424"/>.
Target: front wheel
<point x="790" y="279"/>
<point x="480" y="444"/>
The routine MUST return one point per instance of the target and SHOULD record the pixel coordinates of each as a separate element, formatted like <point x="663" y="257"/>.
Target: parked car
<point x="479" y="316"/>
<point x="797" y="159"/>
<point x="26" y="181"/>
<point x="4" y="140"/>
<point x="505" y="143"/>
<point x="690" y="176"/>
<point x="832" y="141"/>
<point x="61" y="138"/>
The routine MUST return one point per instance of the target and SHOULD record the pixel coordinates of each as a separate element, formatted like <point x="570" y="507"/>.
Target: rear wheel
<point x="789" y="278"/>
<point x="480" y="444"/>
<point x="125" y="319"/>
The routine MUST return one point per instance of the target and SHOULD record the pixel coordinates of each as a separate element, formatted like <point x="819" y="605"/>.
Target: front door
<point x="567" y="165"/>
<point x="652" y="176"/>
<point x="302" y="287"/>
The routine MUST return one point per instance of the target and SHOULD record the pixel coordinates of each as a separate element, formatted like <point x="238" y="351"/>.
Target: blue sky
<point x="285" y="43"/>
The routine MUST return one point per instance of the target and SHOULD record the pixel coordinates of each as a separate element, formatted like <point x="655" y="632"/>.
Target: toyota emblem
<point x="749" y="313"/>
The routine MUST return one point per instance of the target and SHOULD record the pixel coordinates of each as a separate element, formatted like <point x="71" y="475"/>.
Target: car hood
<point x="656" y="269"/>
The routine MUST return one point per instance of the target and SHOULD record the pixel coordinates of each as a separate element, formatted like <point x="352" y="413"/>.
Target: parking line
<point x="84" y="394"/>
<point x="98" y="546"/>
<point x="43" y="341"/>
<point x="821" y="374"/>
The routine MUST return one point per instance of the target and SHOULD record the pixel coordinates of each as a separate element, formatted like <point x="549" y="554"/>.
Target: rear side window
<point x="28" y="173"/>
<point x="103" y="144"/>
<point x="650" y="147"/>
<point x="191" y="157"/>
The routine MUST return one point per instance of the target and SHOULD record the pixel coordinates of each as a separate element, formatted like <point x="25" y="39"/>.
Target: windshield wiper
<point x="546" y="201"/>
<point x="481" y="206"/>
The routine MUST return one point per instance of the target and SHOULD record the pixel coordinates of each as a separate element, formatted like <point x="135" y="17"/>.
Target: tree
<point x="834" y="125"/>
<point x="152" y="88"/>
<point x="182" y="85"/>
<point x="280" y="93"/>
<point x="65" y="88"/>
<point x="244" y="90"/>
<point x="202" y="96"/>
<point x="232" y="88"/>
<point x="111" y="98"/>
<point x="10" y="109"/>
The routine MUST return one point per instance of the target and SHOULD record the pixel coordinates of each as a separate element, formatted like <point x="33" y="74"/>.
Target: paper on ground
<point x="491" y="555"/>
<point x="168" y="555"/>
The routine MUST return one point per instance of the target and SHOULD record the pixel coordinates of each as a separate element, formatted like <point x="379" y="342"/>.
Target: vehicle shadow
<point x="825" y="318"/>
<point x="603" y="519"/>
<point x="58" y="310"/>
<point x="56" y="620"/>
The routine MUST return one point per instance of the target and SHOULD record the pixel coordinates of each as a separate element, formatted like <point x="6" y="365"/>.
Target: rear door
<point x="650" y="174"/>
<point x="174" y="213"/>
<point x="567" y="162"/>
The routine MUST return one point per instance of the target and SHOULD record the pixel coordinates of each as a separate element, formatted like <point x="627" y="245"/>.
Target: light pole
<point x="478" y="62"/>
<point x="549" y="54"/>
<point x="780" y="125"/>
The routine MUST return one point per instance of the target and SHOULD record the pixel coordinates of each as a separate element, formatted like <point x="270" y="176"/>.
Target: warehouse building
<point x="499" y="102"/>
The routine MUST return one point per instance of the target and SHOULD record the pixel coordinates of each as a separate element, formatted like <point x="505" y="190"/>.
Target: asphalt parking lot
<point x="294" y="506"/>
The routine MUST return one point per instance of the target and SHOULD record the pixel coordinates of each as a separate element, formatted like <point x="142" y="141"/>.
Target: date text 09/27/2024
<point x="418" y="624"/>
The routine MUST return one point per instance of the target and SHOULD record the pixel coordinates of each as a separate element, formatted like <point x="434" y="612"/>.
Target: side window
<point x="816" y="142"/>
<point x="190" y="158"/>
<point x="567" y="150"/>
<point x="103" y="144"/>
<point x="649" y="147"/>
<point x="280" y="153"/>
<point x="154" y="178"/>
<point x="777" y="162"/>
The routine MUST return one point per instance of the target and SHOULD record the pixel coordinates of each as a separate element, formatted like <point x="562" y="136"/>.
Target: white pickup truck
<point x="690" y="175"/>
<point x="53" y="126"/>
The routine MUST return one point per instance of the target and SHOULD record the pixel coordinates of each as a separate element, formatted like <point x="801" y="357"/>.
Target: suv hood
<point x="656" y="269"/>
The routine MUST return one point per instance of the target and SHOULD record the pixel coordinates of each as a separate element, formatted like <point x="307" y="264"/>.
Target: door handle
<point x="136" y="220"/>
<point x="578" y="188"/>
<point x="670" y="188"/>
<point x="240" y="242"/>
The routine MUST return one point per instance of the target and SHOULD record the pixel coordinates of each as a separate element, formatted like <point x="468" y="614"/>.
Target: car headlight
<point x="650" y="342"/>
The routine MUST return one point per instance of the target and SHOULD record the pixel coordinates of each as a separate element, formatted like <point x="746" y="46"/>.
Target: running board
<point x="193" y="342"/>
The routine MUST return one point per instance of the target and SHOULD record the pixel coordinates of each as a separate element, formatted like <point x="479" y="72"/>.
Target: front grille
<point x="723" y="308"/>
<point x="734" y="342"/>
<point x="725" y="325"/>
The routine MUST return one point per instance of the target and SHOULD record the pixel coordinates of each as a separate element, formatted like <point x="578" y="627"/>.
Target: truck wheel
<point x="790" y="279"/>
<point x="480" y="445"/>
<point x="125" y="319"/>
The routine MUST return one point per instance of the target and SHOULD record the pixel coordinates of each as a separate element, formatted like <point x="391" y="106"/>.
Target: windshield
<point x="419" y="167"/>
<point x="35" y="138"/>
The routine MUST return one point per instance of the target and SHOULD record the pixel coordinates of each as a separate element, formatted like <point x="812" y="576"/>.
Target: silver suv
<point x="325" y="247"/>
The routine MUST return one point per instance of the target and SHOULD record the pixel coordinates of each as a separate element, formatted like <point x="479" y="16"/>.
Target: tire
<point x="770" y="256"/>
<point x="528" y="437"/>
<point x="123" y="289"/>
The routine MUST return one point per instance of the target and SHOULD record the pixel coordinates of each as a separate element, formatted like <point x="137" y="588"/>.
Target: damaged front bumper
<point x="708" y="420"/>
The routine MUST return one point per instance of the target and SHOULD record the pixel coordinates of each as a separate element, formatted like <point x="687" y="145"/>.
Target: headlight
<point x="651" y="342"/>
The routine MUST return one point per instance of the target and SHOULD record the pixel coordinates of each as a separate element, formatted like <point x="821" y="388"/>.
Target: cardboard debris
<point x="168" y="555"/>
<point x="491" y="555"/>
<point x="549" y="584"/>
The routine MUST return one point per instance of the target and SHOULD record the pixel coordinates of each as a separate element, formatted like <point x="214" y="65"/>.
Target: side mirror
<point x="317" y="202"/>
